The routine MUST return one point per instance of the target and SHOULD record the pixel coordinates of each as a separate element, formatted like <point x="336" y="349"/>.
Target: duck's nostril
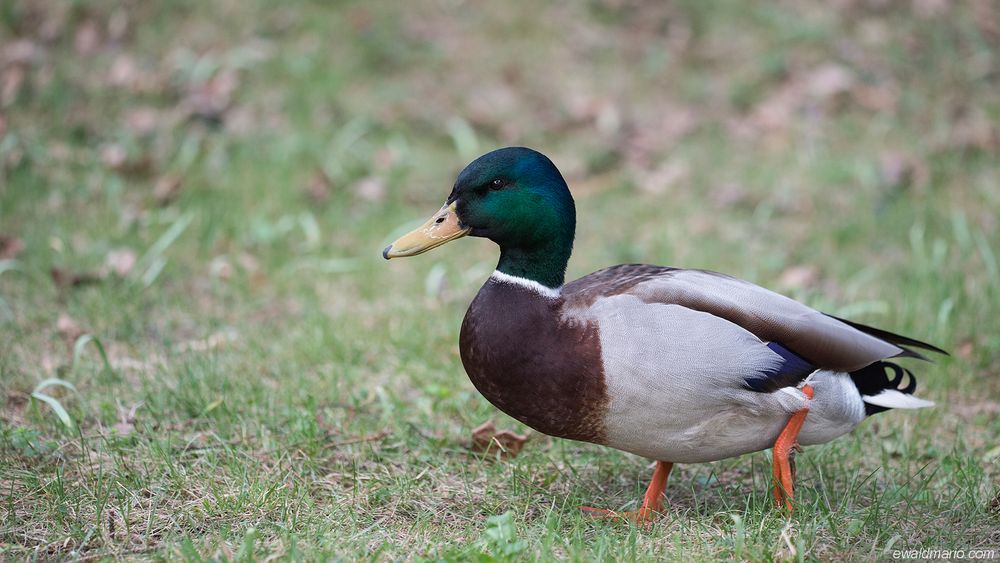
<point x="439" y="220"/>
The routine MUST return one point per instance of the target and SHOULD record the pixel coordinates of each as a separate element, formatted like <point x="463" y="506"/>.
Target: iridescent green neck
<point x="545" y="264"/>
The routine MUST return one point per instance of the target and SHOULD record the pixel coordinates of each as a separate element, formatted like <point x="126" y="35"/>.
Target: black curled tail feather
<point x="875" y="378"/>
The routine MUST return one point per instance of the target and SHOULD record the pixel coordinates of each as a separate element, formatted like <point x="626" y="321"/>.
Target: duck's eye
<point x="497" y="184"/>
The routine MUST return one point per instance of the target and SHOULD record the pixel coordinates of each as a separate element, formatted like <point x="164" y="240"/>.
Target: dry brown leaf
<point x="319" y="187"/>
<point x="965" y="349"/>
<point x="664" y="178"/>
<point x="249" y="264"/>
<point x="10" y="84"/>
<point x="825" y="86"/>
<point x="115" y="157"/>
<point x="799" y="277"/>
<point x="486" y="439"/>
<point x="828" y="80"/>
<point x="65" y="279"/>
<point x="167" y="189"/>
<point x="142" y="121"/>
<point x="898" y="171"/>
<point x="974" y="130"/>
<point x="10" y="247"/>
<point x="120" y="262"/>
<point x="731" y="195"/>
<point x="213" y="342"/>
<point x="21" y="52"/>
<point x="931" y="9"/>
<point x="370" y="189"/>
<point x="221" y="268"/>
<point x="209" y="100"/>
<point x="124" y="428"/>
<point x="384" y="159"/>
<point x="880" y="97"/>
<point x="987" y="16"/>
<point x="88" y="38"/>
<point x="69" y="329"/>
<point x="126" y="422"/>
<point x="123" y="72"/>
<point x="118" y="25"/>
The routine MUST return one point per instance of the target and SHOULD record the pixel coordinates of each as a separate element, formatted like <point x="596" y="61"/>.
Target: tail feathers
<point x="881" y="392"/>
<point x="892" y="399"/>
<point x="903" y="342"/>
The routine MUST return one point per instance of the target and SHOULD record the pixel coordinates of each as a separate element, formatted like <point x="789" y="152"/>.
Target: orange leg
<point x="652" y="501"/>
<point x="783" y="468"/>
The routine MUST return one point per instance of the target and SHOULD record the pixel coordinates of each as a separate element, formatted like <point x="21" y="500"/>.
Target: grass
<point x="259" y="383"/>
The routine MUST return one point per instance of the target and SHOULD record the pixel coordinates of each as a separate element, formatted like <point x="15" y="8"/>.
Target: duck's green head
<point x="518" y="199"/>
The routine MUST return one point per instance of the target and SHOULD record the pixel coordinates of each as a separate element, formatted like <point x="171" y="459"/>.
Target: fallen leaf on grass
<point x="126" y="73"/>
<point x="825" y="87"/>
<point x="10" y="85"/>
<point x="142" y="121"/>
<point x="660" y="180"/>
<point x="965" y="349"/>
<point x="221" y="268"/>
<point x="799" y="277"/>
<point x="120" y="262"/>
<point x="486" y="438"/>
<point x="931" y="9"/>
<point x="65" y="278"/>
<point x="370" y="189"/>
<point x="987" y="18"/>
<point x="69" y="329"/>
<point x="10" y="247"/>
<point x="126" y="423"/>
<point x="213" y="341"/>
<point x="973" y="129"/>
<point x="319" y="188"/>
<point x="167" y="189"/>
<point x="211" y="99"/>
<point x="732" y="196"/>
<point x="21" y="52"/>
<point x="118" y="25"/>
<point x="357" y="440"/>
<point x="898" y="171"/>
<point x="88" y="38"/>
<point x="115" y="157"/>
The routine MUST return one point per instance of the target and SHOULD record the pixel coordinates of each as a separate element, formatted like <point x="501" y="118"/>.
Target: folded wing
<point x="822" y="341"/>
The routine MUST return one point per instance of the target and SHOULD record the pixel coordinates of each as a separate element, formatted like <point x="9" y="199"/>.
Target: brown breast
<point x="534" y="365"/>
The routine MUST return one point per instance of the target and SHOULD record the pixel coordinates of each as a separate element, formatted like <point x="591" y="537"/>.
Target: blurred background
<point x="194" y="197"/>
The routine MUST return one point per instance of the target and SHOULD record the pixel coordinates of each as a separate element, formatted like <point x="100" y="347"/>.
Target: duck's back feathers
<point x="821" y="340"/>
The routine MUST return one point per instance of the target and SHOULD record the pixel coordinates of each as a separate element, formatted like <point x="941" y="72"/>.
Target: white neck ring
<point x="531" y="285"/>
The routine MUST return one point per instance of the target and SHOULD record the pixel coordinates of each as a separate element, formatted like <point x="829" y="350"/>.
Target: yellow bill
<point x="442" y="227"/>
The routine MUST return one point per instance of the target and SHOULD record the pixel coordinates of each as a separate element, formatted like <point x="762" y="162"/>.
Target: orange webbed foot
<point x="783" y="456"/>
<point x="652" y="501"/>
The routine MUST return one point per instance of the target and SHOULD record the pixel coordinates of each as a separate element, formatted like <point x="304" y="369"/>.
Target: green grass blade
<point x="54" y="381"/>
<point x="56" y="406"/>
<point x="81" y="344"/>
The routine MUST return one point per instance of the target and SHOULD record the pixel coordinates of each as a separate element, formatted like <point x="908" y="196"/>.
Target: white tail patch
<point x="892" y="399"/>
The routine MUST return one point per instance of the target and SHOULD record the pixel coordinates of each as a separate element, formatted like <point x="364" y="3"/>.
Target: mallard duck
<point x="676" y="365"/>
